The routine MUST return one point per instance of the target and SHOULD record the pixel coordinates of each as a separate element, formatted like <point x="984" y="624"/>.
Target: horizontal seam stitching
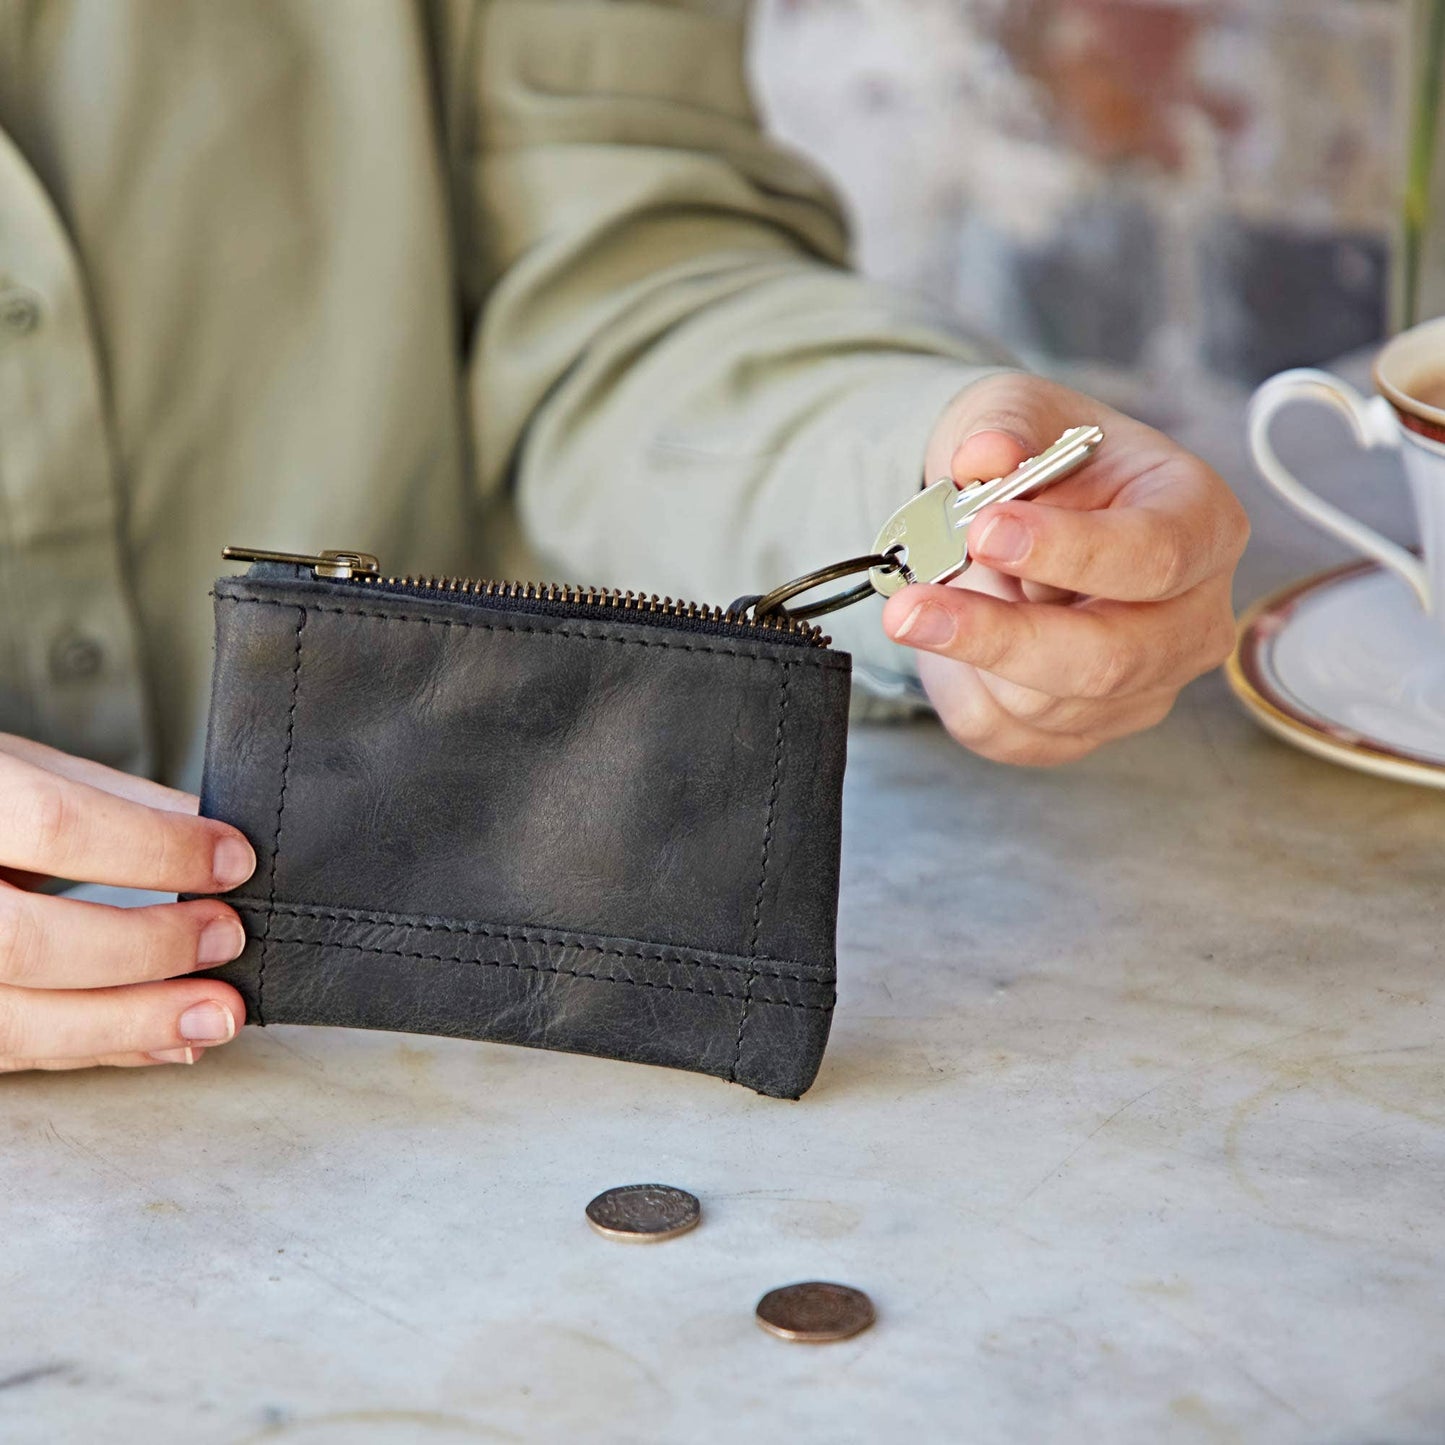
<point x="820" y="662"/>
<point x="565" y="972"/>
<point x="667" y="953"/>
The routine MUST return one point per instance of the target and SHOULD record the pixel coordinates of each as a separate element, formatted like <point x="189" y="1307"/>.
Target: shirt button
<point x="19" y="312"/>
<point x="75" y="657"/>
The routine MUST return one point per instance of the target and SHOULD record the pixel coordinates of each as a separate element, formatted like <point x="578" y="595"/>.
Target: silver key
<point x="928" y="535"/>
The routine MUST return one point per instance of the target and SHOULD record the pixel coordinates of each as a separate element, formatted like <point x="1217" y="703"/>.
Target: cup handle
<point x="1374" y="424"/>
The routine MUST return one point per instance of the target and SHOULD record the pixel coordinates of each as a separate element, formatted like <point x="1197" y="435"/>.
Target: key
<point x="928" y="536"/>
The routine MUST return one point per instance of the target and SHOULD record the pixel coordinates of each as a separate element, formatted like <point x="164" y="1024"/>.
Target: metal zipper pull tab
<point x="341" y="566"/>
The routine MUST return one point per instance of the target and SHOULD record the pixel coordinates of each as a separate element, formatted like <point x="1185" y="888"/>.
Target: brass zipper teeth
<point x="647" y="603"/>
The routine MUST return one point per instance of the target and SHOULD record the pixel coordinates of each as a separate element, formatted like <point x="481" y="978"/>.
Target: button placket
<point x="70" y="659"/>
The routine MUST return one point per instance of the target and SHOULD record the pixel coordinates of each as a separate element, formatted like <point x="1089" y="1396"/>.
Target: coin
<point x="815" y="1311"/>
<point x="643" y="1213"/>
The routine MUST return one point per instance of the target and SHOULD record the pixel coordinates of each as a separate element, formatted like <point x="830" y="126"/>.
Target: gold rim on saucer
<point x="1251" y="684"/>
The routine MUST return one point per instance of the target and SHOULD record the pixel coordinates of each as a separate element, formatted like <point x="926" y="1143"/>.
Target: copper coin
<point x="815" y="1311"/>
<point x="643" y="1213"/>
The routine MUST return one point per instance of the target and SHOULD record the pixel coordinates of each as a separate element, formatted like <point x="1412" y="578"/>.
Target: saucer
<point x="1346" y="666"/>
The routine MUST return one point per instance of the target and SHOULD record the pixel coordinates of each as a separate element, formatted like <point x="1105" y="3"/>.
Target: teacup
<point x="1408" y="416"/>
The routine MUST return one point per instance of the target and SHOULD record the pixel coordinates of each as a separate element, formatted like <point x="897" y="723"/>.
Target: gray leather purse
<point x="572" y="819"/>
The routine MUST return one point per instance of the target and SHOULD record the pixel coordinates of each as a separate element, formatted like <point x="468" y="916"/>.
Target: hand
<point x="1086" y="610"/>
<point x="82" y="983"/>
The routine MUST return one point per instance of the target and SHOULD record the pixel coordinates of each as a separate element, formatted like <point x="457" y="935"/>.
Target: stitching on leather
<point x="280" y="811"/>
<point x="752" y="972"/>
<point x="667" y="953"/>
<point x="762" y="874"/>
<point x="785" y="663"/>
<point x="564" y="972"/>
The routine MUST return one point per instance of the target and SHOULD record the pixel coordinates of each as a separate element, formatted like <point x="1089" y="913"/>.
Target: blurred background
<point x="1139" y="196"/>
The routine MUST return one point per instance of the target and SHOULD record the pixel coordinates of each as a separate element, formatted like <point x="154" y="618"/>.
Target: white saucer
<point x="1346" y="665"/>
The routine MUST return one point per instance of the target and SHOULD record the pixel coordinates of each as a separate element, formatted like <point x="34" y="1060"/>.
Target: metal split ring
<point x="769" y="602"/>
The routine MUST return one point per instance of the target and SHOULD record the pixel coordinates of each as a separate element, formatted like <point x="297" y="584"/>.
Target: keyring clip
<point x="769" y="602"/>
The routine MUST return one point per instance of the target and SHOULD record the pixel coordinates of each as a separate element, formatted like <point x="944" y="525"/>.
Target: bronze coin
<point x="643" y="1213"/>
<point x="815" y="1311"/>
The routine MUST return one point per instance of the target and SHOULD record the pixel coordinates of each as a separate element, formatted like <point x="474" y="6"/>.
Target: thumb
<point x="991" y="427"/>
<point x="986" y="453"/>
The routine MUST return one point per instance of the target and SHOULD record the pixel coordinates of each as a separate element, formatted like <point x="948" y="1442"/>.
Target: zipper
<point x="603" y="603"/>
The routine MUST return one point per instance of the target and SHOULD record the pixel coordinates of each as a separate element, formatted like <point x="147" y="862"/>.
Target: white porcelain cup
<point x="1395" y="419"/>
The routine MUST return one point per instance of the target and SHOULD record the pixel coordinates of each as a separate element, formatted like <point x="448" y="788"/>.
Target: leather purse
<point x="568" y="818"/>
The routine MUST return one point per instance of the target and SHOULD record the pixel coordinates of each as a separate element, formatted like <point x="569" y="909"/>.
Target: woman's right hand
<point x="87" y="983"/>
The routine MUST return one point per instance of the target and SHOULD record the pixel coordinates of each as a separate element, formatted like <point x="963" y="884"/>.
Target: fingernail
<point x="234" y="862"/>
<point x="173" y="1056"/>
<point x="999" y="431"/>
<point x="928" y="625"/>
<point x="221" y="940"/>
<point x="207" y="1023"/>
<point x="1004" y="539"/>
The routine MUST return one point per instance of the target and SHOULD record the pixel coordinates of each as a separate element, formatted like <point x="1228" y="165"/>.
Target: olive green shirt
<point x="486" y="287"/>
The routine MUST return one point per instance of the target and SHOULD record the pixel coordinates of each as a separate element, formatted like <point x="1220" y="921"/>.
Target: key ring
<point x="926" y="539"/>
<point x="766" y="602"/>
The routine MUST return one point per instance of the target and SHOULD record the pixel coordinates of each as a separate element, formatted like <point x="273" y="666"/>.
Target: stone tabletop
<point x="1133" y="1127"/>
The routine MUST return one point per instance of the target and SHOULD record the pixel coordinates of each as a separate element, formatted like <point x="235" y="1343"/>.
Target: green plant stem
<point x="1426" y="114"/>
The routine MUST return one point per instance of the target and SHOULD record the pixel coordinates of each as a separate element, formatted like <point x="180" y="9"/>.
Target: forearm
<point x="769" y="434"/>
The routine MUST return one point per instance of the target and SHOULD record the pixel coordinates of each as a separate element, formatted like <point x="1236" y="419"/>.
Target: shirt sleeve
<point x="672" y="367"/>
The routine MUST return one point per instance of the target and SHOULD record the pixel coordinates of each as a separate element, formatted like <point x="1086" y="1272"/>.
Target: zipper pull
<point x="343" y="566"/>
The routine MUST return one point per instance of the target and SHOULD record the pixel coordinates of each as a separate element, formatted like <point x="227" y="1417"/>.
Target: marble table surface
<point x="1133" y="1126"/>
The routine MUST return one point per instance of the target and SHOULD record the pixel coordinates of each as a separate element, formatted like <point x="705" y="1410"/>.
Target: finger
<point x="1041" y="592"/>
<point x="974" y="718"/>
<point x="1152" y="543"/>
<point x="1001" y="421"/>
<point x="53" y="942"/>
<point x="992" y="451"/>
<point x="1131" y="715"/>
<point x="1079" y="716"/>
<point x="1092" y="649"/>
<point x="136" y="1018"/>
<point x="104" y="1061"/>
<point x="56" y="825"/>
<point x="82" y="770"/>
